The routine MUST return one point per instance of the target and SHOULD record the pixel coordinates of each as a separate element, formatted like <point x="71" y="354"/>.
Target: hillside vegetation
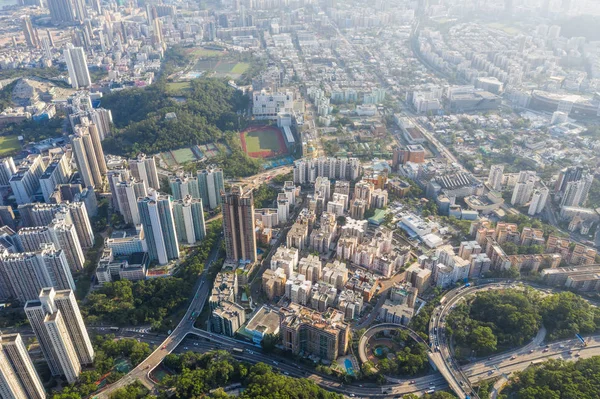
<point x="497" y="320"/>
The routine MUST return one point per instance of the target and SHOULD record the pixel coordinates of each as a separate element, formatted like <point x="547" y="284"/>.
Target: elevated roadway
<point x="142" y="371"/>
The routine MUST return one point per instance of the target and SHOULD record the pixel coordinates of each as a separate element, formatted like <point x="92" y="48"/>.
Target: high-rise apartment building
<point x="143" y="168"/>
<point x="114" y="177"/>
<point x="182" y="186"/>
<point x="7" y="217"/>
<point x="538" y="200"/>
<point x="57" y="172"/>
<point x="37" y="214"/>
<point x="31" y="35"/>
<point x="80" y="10"/>
<point x="26" y="181"/>
<point x="227" y="318"/>
<point x="567" y="175"/>
<point x="97" y="147"/>
<point x="325" y="335"/>
<point x="127" y="193"/>
<point x="283" y="208"/>
<point x="61" y="11"/>
<point x="63" y="347"/>
<point x="57" y="323"/>
<point x="64" y="235"/>
<point x="36" y="313"/>
<point x="81" y="221"/>
<point x="45" y="43"/>
<point x="495" y="177"/>
<point x="77" y="66"/>
<point x="31" y="238"/>
<point x="102" y="118"/>
<point x="29" y="272"/>
<point x="189" y="219"/>
<point x="576" y="192"/>
<point x="65" y="301"/>
<point x="156" y="216"/>
<point x="7" y="169"/>
<point x="210" y="184"/>
<point x="18" y="377"/>
<point x="363" y="190"/>
<point x="238" y="225"/>
<point x="88" y="155"/>
<point x="523" y="188"/>
<point x="306" y="170"/>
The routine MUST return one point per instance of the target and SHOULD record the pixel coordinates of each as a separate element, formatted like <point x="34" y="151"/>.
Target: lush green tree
<point x="197" y="374"/>
<point x="495" y="319"/>
<point x="132" y="391"/>
<point x="269" y="341"/>
<point x="264" y="196"/>
<point x="556" y="379"/>
<point x="566" y="314"/>
<point x="483" y="340"/>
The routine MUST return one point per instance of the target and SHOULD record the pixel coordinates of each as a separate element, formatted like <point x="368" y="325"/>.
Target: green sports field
<point x="9" y="145"/>
<point x="262" y="140"/>
<point x="183" y="155"/>
<point x="174" y="87"/>
<point x="240" y="68"/>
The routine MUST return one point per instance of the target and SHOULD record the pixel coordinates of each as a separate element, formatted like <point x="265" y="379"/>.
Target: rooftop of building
<point x="228" y="309"/>
<point x="585" y="277"/>
<point x="330" y="321"/>
<point x="8" y="338"/>
<point x="265" y="321"/>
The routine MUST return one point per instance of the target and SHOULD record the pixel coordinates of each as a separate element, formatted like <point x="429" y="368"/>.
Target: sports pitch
<point x="183" y="155"/>
<point x="9" y="145"/>
<point x="263" y="142"/>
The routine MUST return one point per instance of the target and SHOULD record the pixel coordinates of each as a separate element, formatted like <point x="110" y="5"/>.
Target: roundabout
<point x="363" y="348"/>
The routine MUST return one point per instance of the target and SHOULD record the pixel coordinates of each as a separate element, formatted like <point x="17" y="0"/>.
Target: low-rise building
<point x="264" y="322"/>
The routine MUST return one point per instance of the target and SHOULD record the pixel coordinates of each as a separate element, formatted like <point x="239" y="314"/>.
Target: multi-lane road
<point x="506" y="363"/>
<point x="142" y="371"/>
<point x="181" y="340"/>
<point x="461" y="378"/>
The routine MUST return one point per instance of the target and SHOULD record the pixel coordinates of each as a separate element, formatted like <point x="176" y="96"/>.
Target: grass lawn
<point x="262" y="140"/>
<point x="508" y="29"/>
<point x="240" y="68"/>
<point x="174" y="87"/>
<point x="203" y="52"/>
<point x="9" y="145"/>
<point x="183" y="155"/>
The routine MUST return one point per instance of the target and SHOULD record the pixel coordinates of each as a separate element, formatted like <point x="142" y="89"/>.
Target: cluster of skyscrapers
<point x="50" y="242"/>
<point x="166" y="221"/>
<point x="63" y="339"/>
<point x="57" y="323"/>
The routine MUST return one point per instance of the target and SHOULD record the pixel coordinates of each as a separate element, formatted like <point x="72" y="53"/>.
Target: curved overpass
<point x="443" y="360"/>
<point x="459" y="382"/>
<point x="186" y="325"/>
<point x="362" y="353"/>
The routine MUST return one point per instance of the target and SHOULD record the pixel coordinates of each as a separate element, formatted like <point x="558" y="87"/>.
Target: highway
<point x="142" y="371"/>
<point x="506" y="363"/>
<point x="460" y="379"/>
